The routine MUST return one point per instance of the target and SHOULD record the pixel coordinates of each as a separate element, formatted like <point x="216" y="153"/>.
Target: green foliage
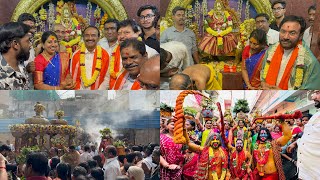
<point x="105" y="132"/>
<point x="119" y="143"/>
<point x="165" y="107"/>
<point x="190" y="111"/>
<point x="241" y="105"/>
<point x="22" y="157"/>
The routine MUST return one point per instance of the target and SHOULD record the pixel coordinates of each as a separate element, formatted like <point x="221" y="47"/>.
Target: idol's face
<point x="215" y="143"/>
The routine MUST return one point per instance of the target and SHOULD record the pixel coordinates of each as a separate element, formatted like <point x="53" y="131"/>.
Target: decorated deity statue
<point x="218" y="38"/>
<point x="70" y="23"/>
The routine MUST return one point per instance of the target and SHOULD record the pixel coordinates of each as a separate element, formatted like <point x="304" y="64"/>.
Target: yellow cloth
<point x="215" y="82"/>
<point x="205" y="134"/>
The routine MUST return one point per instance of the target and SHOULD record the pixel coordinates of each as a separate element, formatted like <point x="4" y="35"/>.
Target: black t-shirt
<point x="274" y="26"/>
<point x="151" y="41"/>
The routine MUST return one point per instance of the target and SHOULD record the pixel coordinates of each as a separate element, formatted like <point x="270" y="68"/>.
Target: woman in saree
<point x="52" y="67"/>
<point x="171" y="159"/>
<point x="251" y="59"/>
<point x="190" y="158"/>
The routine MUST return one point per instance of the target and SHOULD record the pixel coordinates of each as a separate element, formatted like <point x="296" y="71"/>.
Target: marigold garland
<point x="89" y="82"/>
<point x="299" y="69"/>
<point x="113" y="74"/>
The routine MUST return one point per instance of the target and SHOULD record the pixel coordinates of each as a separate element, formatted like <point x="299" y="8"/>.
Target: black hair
<point x="11" y="31"/>
<point x="84" y="165"/>
<point x="26" y="17"/>
<point x="38" y="161"/>
<point x="163" y="58"/>
<point x="130" y="157"/>
<point x="297" y="19"/>
<point x="283" y="3"/>
<point x="86" y="148"/>
<point x="153" y="8"/>
<point x="112" y="150"/>
<point x="178" y="8"/>
<point x="63" y="171"/>
<point x="306" y="115"/>
<point x="92" y="164"/>
<point x="260" y="35"/>
<point x="186" y="81"/>
<point x="268" y="133"/>
<point x="156" y="151"/>
<point x="97" y="173"/>
<point x="72" y="147"/>
<point x="135" y="44"/>
<point x="54" y="162"/>
<point x="150" y="148"/>
<point x="98" y="159"/>
<point x="79" y="170"/>
<point x="263" y="15"/>
<point x="112" y="21"/>
<point x="238" y="139"/>
<point x="313" y="7"/>
<point x="91" y="27"/>
<point x="129" y="22"/>
<point x="4" y="147"/>
<point x="192" y="123"/>
<point x="136" y="148"/>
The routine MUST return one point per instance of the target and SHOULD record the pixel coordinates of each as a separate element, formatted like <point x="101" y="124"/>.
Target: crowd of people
<point x="82" y="163"/>
<point x="241" y="147"/>
<point x="117" y="58"/>
<point x="276" y="55"/>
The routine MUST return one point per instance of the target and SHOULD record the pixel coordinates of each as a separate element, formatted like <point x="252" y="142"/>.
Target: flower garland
<point x="113" y="74"/>
<point x="238" y="163"/>
<point x="89" y="82"/>
<point x="213" y="161"/>
<point x="264" y="155"/>
<point x="299" y="64"/>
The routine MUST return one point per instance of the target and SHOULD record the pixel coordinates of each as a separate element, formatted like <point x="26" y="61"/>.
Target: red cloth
<point x="273" y="176"/>
<point x="296" y="130"/>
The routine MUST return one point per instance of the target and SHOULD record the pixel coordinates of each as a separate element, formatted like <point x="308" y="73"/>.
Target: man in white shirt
<point x="110" y="39"/>
<point x="86" y="155"/>
<point x="309" y="145"/>
<point x="262" y="22"/>
<point x="308" y="32"/>
<point x="111" y="166"/>
<point x="89" y="65"/>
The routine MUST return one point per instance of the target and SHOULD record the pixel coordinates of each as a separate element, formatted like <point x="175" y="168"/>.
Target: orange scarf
<point x="117" y="62"/>
<point x="122" y="79"/>
<point x="272" y="74"/>
<point x="76" y="69"/>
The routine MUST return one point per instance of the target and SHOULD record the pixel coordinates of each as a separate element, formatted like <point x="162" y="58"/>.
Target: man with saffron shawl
<point x="133" y="53"/>
<point x="252" y="57"/>
<point x="290" y="64"/>
<point x="90" y="64"/>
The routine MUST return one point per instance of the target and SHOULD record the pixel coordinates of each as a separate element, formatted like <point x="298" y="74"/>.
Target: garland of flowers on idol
<point x="213" y="159"/>
<point x="236" y="163"/>
<point x="299" y="64"/>
<point x="264" y="154"/>
<point x="222" y="33"/>
<point x="89" y="82"/>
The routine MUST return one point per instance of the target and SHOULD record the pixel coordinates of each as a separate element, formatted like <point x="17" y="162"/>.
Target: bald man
<point x="180" y="82"/>
<point x="149" y="77"/>
<point x="204" y="77"/>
